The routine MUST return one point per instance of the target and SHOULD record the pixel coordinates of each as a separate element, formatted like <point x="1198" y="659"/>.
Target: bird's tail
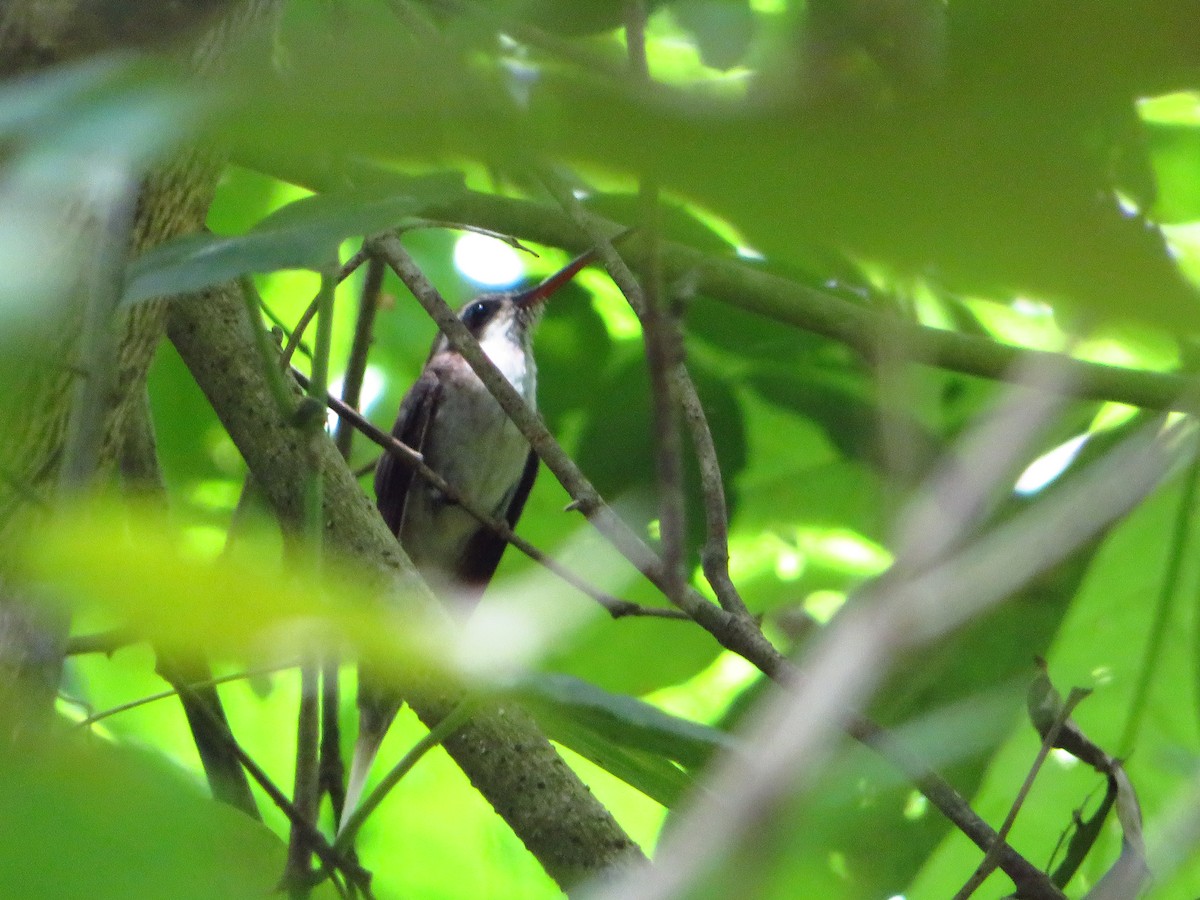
<point x="374" y="718"/>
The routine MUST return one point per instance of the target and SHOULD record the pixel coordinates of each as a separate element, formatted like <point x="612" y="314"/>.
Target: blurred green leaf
<point x="723" y="29"/>
<point x="302" y="235"/>
<point x="637" y="742"/>
<point x="233" y="605"/>
<point x="83" y="818"/>
<point x="1174" y="150"/>
<point x="624" y="720"/>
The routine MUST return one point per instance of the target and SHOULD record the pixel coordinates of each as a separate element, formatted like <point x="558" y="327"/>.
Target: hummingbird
<point x="451" y="418"/>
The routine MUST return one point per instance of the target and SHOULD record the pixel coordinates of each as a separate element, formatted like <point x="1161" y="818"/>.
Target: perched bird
<point x="451" y="418"/>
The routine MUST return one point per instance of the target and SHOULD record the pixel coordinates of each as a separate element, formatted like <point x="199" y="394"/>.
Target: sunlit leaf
<point x="243" y="604"/>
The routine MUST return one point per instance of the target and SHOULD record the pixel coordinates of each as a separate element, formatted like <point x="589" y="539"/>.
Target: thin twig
<point x="737" y="633"/>
<point x="368" y="467"/>
<point x="306" y="793"/>
<point x="142" y="477"/>
<point x="1087" y="832"/>
<point x="356" y="365"/>
<point x="331" y="768"/>
<point x="664" y="350"/>
<point x="166" y="695"/>
<point x="345" y="271"/>
<point x="267" y="353"/>
<point x="313" y="839"/>
<point x="715" y="556"/>
<point x="615" y="606"/>
<point x="280" y="328"/>
<point x="992" y="857"/>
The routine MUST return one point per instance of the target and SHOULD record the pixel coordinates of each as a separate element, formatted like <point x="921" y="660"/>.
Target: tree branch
<point x="748" y="287"/>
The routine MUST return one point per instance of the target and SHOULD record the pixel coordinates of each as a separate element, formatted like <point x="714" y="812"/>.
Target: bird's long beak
<point x="542" y="292"/>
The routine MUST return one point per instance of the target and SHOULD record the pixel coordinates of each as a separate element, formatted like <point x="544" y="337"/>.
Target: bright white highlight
<point x="487" y="261"/>
<point x="1043" y="470"/>
<point x="372" y="389"/>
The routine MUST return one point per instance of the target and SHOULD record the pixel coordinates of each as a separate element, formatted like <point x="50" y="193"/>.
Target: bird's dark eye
<point x="476" y="315"/>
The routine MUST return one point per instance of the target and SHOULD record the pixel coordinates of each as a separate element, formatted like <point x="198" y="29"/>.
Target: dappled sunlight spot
<point x="1112" y="415"/>
<point x="73" y="710"/>
<point x="824" y="605"/>
<point x="370" y="392"/>
<point x="675" y="58"/>
<point x="202" y="542"/>
<point x="288" y="292"/>
<point x="610" y="305"/>
<point x="789" y="565"/>
<point x="1128" y="349"/>
<point x="1032" y="307"/>
<point x="1102" y="676"/>
<point x="217" y="494"/>
<point x="223" y="451"/>
<point x="1064" y="759"/>
<point x="1127" y="204"/>
<point x="487" y="261"/>
<point x="753" y="556"/>
<point x="1013" y="322"/>
<point x="1184" y="243"/>
<point x="749" y="253"/>
<point x="841" y="548"/>
<point x="1177" y="108"/>
<point x="706" y="696"/>
<point x="915" y="806"/>
<point x="1046" y="468"/>
<point x="930" y="306"/>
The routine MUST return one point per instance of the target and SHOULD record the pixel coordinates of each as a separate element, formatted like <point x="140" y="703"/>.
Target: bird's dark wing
<point x="486" y="547"/>
<point x="393" y="479"/>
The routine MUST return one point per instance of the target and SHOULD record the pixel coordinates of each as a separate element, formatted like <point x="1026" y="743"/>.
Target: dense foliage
<point x="853" y="220"/>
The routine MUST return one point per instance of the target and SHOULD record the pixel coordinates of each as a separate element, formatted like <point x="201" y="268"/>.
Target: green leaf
<point x="89" y="819"/>
<point x="301" y="235"/>
<point x="1173" y="153"/>
<point x="637" y="742"/>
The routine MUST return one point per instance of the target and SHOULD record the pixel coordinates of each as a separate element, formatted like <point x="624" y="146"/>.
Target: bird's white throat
<point x="513" y="360"/>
